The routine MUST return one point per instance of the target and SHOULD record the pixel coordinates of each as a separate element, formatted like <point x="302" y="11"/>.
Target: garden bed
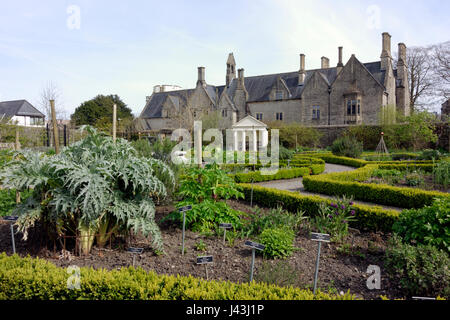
<point x="339" y="270"/>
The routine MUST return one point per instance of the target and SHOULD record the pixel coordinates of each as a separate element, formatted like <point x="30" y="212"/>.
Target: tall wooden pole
<point x="55" y="126"/>
<point x="114" y="122"/>
<point x="17" y="147"/>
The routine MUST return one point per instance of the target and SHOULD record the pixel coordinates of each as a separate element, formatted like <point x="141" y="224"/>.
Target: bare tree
<point x="441" y="68"/>
<point x="421" y="79"/>
<point x="51" y="91"/>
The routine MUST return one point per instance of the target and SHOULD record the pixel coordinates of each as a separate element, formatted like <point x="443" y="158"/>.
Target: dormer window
<point x="279" y="95"/>
<point x="224" y="113"/>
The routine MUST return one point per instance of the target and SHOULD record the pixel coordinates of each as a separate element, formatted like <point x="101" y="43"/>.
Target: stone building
<point x="347" y="94"/>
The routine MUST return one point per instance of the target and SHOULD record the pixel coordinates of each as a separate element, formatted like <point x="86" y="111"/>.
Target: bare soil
<point x="339" y="270"/>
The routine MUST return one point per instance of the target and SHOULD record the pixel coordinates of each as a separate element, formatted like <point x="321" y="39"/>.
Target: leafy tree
<point x="98" y="112"/>
<point x="293" y="135"/>
<point x="95" y="186"/>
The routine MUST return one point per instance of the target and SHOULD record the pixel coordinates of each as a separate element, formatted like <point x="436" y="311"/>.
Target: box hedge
<point x="28" y="278"/>
<point x="347" y="183"/>
<point x="371" y="218"/>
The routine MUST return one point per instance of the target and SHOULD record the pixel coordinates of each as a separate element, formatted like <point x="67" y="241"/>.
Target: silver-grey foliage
<point x="92" y="181"/>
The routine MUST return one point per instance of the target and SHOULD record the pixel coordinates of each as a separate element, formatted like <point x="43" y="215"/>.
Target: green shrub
<point x="278" y="242"/>
<point x="274" y="218"/>
<point x="368" y="135"/>
<point x="368" y="217"/>
<point x="441" y="173"/>
<point x="204" y="189"/>
<point x="430" y="154"/>
<point x="347" y="146"/>
<point x="334" y="218"/>
<point x="422" y="270"/>
<point x="414" y="179"/>
<point x="429" y="225"/>
<point x="27" y="278"/>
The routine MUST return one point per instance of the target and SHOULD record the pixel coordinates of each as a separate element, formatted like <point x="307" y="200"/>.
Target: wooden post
<point x="17" y="143"/>
<point x="55" y="127"/>
<point x="114" y="122"/>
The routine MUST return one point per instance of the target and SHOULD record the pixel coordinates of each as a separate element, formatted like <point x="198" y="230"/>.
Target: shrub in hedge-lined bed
<point x="371" y="218"/>
<point x="338" y="184"/>
<point x="27" y="278"/>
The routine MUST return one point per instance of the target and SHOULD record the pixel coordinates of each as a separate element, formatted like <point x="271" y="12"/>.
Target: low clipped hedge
<point x="346" y="183"/>
<point x="28" y="278"/>
<point x="256" y="176"/>
<point x="370" y="218"/>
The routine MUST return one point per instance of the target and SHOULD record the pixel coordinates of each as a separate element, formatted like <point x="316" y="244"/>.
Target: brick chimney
<point x="201" y="77"/>
<point x="325" y="63"/>
<point x="302" y="72"/>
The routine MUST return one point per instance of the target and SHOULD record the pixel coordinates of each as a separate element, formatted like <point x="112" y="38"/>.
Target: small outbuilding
<point x="254" y="130"/>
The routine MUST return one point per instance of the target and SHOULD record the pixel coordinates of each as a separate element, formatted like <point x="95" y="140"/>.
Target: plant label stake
<point x="184" y="209"/>
<point x="251" y="195"/>
<point x="319" y="237"/>
<point x="254" y="246"/>
<point x="289" y="161"/>
<point x="225" y="226"/>
<point x="135" y="251"/>
<point x="205" y="260"/>
<point x="12" y="219"/>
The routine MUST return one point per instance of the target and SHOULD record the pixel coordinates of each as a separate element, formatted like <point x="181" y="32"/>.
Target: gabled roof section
<point x="373" y="68"/>
<point x="153" y="107"/>
<point x="249" y="122"/>
<point x="19" y="108"/>
<point x="230" y="59"/>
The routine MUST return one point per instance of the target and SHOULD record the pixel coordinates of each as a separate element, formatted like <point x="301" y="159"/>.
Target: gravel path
<point x="296" y="185"/>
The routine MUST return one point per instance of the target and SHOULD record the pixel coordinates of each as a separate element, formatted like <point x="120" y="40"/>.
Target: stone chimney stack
<point x="302" y="72"/>
<point x="241" y="83"/>
<point x="386" y="57"/>
<point x="340" y="65"/>
<point x="201" y="77"/>
<point x="401" y="54"/>
<point x="325" y="63"/>
<point x="402" y="90"/>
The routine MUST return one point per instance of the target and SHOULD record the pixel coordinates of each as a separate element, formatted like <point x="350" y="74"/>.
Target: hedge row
<point x="27" y="278"/>
<point x="370" y="218"/>
<point x="346" y="183"/>
<point x="256" y="176"/>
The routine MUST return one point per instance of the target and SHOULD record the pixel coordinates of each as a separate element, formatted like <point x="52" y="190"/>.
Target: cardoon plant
<point x="93" y="187"/>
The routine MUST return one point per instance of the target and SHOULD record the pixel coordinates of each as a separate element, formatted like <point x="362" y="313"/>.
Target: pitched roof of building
<point x="19" y="108"/>
<point x="258" y="87"/>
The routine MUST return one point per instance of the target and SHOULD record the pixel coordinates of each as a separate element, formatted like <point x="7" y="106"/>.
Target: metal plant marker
<point x="225" y="226"/>
<point x="135" y="251"/>
<point x="254" y="246"/>
<point x="319" y="237"/>
<point x="12" y="219"/>
<point x="205" y="260"/>
<point x="184" y="209"/>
